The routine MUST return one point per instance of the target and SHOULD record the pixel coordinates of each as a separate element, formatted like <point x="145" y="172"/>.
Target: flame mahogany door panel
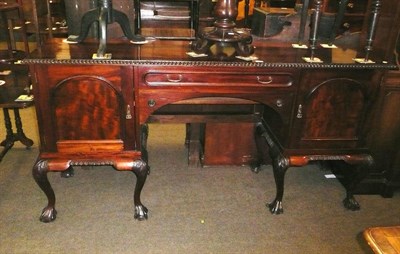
<point x="332" y="109"/>
<point x="86" y="108"/>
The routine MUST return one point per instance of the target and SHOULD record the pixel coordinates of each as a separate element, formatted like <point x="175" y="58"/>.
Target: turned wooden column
<point x="224" y="40"/>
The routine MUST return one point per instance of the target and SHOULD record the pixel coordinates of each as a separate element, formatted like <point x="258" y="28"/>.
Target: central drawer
<point x="173" y="86"/>
<point x="218" y="79"/>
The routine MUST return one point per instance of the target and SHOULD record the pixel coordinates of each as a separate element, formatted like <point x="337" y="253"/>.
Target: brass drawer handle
<point x="174" y="80"/>
<point x="269" y="81"/>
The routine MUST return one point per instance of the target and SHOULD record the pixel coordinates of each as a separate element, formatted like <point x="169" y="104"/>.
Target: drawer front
<point x="163" y="79"/>
<point x="159" y="87"/>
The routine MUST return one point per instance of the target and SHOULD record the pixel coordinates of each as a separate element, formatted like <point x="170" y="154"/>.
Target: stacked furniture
<point x="162" y="14"/>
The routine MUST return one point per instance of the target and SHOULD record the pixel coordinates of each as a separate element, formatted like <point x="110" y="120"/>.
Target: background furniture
<point x="267" y="22"/>
<point x="284" y="22"/>
<point x="12" y="15"/>
<point x="383" y="239"/>
<point x="45" y="18"/>
<point x="159" y="26"/>
<point x="14" y="78"/>
<point x="15" y="84"/>
<point x="163" y="13"/>
<point x="103" y="15"/>
<point x="39" y="23"/>
<point x="76" y="9"/>
<point x="354" y="15"/>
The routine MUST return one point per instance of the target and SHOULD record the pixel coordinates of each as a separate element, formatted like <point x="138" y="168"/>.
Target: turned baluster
<point x="314" y="27"/>
<point x="375" y="10"/>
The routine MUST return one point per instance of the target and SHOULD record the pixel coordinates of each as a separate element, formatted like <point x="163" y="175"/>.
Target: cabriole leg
<point x="357" y="174"/>
<point x="39" y="173"/>
<point x="280" y="167"/>
<point x="263" y="156"/>
<point x="280" y="163"/>
<point x="140" y="168"/>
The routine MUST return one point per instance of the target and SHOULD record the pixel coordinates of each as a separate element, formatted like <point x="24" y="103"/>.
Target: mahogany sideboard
<point x="95" y="111"/>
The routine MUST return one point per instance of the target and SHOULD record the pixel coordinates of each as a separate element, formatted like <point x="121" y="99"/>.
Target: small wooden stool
<point x="383" y="239"/>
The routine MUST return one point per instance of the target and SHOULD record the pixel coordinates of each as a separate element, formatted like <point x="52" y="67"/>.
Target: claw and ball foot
<point x="140" y="213"/>
<point x="354" y="175"/>
<point x="351" y="204"/>
<point x="275" y="207"/>
<point x="49" y="214"/>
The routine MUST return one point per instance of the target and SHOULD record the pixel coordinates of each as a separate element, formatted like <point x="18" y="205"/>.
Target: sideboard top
<point x="174" y="53"/>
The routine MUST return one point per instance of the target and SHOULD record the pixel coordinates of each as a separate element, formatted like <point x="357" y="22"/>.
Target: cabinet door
<point x="332" y="108"/>
<point x="85" y="108"/>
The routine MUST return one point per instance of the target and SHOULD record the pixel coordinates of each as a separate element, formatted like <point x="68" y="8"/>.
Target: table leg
<point x="104" y="14"/>
<point x="86" y="22"/>
<point x="39" y="173"/>
<point x="194" y="146"/>
<point x="12" y="137"/>
<point x="9" y="140"/>
<point x="280" y="164"/>
<point x="123" y="21"/>
<point x="141" y="170"/>
<point x="20" y="136"/>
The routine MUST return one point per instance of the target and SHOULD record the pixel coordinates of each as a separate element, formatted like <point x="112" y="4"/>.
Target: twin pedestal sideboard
<point x="95" y="111"/>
